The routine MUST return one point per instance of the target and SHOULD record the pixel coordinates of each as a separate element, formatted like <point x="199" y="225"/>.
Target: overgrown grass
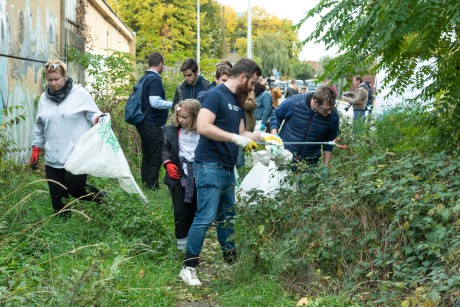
<point x="119" y="253"/>
<point x="382" y="229"/>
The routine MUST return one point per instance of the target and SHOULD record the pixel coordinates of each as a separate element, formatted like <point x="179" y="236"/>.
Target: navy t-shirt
<point x="220" y="101"/>
<point x="153" y="86"/>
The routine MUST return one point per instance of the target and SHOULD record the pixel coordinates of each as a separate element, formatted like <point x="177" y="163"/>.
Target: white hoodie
<point x="58" y="127"/>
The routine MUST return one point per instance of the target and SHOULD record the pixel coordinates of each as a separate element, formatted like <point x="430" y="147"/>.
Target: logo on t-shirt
<point x="232" y="107"/>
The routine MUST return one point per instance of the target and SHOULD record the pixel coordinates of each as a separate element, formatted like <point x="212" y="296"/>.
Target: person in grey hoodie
<point x="65" y="113"/>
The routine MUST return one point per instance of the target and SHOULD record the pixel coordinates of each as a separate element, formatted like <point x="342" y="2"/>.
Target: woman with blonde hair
<point x="181" y="139"/>
<point x="66" y="112"/>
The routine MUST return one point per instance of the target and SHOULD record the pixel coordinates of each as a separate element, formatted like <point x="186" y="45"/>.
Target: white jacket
<point x="58" y="127"/>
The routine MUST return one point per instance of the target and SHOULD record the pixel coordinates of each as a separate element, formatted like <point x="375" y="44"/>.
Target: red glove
<point x="34" y="157"/>
<point x="172" y="170"/>
<point x="97" y="118"/>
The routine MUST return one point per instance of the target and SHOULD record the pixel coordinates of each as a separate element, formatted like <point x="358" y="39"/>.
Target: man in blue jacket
<point x="310" y="117"/>
<point x="193" y="83"/>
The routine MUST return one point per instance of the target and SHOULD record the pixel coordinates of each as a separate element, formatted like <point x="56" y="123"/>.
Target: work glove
<point x="244" y="142"/>
<point x="262" y="127"/>
<point x="324" y="173"/>
<point x="34" y="157"/>
<point x="100" y="118"/>
<point x="172" y="170"/>
<point x="266" y="137"/>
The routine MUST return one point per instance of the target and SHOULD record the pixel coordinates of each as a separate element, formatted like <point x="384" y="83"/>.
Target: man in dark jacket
<point x="310" y="117"/>
<point x="193" y="83"/>
<point x="150" y="130"/>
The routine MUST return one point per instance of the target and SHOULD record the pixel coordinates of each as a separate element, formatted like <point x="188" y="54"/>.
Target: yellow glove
<point x="266" y="137"/>
<point x="244" y="142"/>
<point x="251" y="146"/>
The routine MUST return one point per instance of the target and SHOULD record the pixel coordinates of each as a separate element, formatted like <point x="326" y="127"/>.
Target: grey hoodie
<point x="58" y="127"/>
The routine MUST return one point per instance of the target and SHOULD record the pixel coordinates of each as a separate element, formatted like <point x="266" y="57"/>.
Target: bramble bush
<point x="384" y="227"/>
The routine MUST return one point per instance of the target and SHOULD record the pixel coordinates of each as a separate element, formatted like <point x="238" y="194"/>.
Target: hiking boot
<point x="188" y="275"/>
<point x="182" y="244"/>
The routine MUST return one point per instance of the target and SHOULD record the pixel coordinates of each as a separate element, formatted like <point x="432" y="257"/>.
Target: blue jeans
<point x="215" y="186"/>
<point x="358" y="114"/>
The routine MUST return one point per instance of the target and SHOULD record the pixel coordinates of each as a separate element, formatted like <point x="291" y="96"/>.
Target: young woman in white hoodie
<point x="66" y="111"/>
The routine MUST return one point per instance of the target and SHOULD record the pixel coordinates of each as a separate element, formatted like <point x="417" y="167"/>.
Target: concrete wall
<point x="34" y="31"/>
<point x="108" y="33"/>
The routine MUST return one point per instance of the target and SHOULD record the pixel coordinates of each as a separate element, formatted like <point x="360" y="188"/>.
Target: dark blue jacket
<point x="187" y="91"/>
<point x="153" y="86"/>
<point x="303" y="124"/>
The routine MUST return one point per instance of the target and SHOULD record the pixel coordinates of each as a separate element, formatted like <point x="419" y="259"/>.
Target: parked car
<point x="312" y="85"/>
<point x="282" y="84"/>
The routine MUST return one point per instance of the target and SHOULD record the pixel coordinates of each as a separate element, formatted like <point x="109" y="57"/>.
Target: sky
<point x="293" y="10"/>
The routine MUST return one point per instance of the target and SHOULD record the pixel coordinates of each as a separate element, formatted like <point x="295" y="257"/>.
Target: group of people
<point x="198" y="149"/>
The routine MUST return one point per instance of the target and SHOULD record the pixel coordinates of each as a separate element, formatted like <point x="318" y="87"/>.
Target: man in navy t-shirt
<point x="221" y="127"/>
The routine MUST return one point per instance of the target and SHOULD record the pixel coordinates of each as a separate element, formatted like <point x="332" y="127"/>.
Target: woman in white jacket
<point x="65" y="112"/>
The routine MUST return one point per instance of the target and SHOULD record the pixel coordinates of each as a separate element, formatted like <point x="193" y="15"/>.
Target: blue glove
<point x="262" y="127"/>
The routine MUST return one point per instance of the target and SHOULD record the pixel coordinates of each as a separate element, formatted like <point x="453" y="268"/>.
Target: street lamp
<point x="198" y="32"/>
<point x="249" y="48"/>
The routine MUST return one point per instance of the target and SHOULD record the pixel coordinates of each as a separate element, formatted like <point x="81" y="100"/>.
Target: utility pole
<point x="198" y="32"/>
<point x="249" y="53"/>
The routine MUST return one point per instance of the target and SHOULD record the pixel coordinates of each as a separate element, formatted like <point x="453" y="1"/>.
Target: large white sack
<point x="268" y="179"/>
<point x="98" y="153"/>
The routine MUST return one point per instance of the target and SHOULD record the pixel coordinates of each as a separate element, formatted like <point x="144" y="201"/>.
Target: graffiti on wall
<point x="29" y="33"/>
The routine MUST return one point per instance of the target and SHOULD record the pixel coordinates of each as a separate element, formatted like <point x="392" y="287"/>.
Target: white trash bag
<point x="266" y="176"/>
<point x="98" y="153"/>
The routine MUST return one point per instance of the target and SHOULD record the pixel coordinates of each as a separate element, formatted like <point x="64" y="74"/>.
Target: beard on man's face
<point x="242" y="93"/>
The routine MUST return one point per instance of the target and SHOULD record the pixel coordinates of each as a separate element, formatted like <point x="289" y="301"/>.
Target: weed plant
<point x="382" y="228"/>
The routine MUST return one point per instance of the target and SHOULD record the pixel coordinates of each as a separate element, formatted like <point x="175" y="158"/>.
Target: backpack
<point x="133" y="108"/>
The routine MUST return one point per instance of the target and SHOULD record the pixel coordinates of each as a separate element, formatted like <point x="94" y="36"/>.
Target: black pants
<point x="75" y="184"/>
<point x="152" y="143"/>
<point x="184" y="213"/>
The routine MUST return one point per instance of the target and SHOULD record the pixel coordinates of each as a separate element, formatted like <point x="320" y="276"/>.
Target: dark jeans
<point x="184" y="213"/>
<point x="75" y="184"/>
<point x="152" y="143"/>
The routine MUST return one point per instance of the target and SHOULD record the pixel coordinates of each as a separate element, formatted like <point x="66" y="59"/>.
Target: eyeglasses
<point x="52" y="66"/>
<point x="325" y="110"/>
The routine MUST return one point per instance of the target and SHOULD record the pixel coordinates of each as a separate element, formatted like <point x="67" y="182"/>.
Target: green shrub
<point x="384" y="224"/>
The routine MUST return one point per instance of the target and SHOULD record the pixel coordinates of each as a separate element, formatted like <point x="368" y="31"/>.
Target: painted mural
<point x="29" y="32"/>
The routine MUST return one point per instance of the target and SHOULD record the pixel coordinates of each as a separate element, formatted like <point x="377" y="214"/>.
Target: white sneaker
<point x="188" y="275"/>
<point x="182" y="244"/>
